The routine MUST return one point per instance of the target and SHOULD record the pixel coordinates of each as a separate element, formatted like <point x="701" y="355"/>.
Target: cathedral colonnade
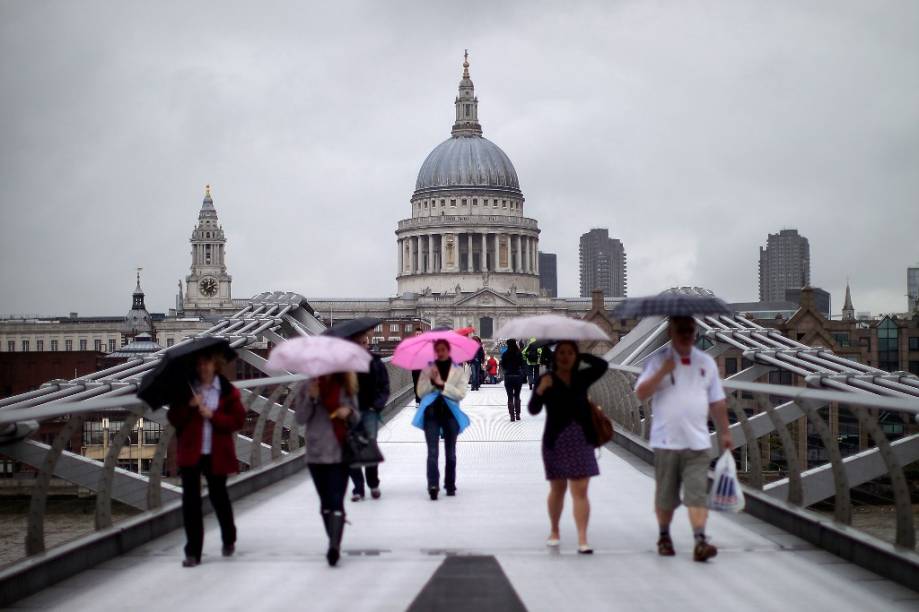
<point x="462" y="251"/>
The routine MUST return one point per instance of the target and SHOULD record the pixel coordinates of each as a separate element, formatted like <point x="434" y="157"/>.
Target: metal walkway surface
<point x="396" y="544"/>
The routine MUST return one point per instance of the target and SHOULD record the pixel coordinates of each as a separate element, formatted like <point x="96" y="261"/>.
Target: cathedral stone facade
<point x="467" y="229"/>
<point x="467" y="256"/>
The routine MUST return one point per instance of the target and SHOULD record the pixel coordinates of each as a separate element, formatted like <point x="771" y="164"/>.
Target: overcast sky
<point x="690" y="129"/>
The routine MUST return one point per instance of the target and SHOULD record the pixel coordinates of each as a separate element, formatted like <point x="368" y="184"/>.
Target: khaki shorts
<point x="675" y="467"/>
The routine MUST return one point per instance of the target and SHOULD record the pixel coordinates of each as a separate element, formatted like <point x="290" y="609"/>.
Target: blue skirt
<point x="572" y="457"/>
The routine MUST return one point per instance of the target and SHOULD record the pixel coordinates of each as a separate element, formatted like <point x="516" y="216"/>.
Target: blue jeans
<point x="476" y="374"/>
<point x="370" y="421"/>
<point x="432" y="431"/>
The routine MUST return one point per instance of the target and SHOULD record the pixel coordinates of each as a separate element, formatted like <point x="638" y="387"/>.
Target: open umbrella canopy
<point x="346" y="329"/>
<point x="670" y="304"/>
<point x="171" y="379"/>
<point x="465" y="331"/>
<point x="416" y="352"/>
<point x="551" y="327"/>
<point x="319" y="355"/>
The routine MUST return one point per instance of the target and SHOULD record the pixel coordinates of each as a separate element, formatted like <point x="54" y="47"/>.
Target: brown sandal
<point x="665" y="546"/>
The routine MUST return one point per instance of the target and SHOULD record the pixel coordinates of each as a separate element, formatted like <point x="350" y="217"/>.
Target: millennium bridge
<point x="794" y="547"/>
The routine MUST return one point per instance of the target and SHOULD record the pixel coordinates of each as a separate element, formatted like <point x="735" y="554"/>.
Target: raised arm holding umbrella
<point x="570" y="437"/>
<point x="683" y="385"/>
<point x="206" y="410"/>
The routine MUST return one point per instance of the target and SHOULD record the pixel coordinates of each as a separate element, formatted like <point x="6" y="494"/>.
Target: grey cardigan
<point x="321" y="444"/>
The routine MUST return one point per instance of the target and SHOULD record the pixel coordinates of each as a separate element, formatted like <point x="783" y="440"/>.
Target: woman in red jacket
<point x="205" y="423"/>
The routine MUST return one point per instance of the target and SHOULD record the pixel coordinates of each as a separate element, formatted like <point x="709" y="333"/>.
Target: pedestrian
<point x="545" y="357"/>
<point x="531" y="354"/>
<point x="683" y="384"/>
<point x="372" y="395"/>
<point x="327" y="405"/>
<point x="442" y="386"/>
<point x="569" y="438"/>
<point x="491" y="367"/>
<point x="476" y="365"/>
<point x="416" y="374"/>
<point x="513" y="369"/>
<point x="205" y="421"/>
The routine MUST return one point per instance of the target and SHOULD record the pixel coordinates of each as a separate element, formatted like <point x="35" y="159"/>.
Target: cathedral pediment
<point x="486" y="297"/>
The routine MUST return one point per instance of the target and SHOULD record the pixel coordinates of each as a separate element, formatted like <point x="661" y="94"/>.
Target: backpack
<point x="532" y="355"/>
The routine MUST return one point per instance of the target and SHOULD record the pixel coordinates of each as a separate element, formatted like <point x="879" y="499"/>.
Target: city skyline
<point x="693" y="154"/>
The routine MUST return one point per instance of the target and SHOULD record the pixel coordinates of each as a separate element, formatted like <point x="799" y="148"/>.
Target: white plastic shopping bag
<point x="726" y="494"/>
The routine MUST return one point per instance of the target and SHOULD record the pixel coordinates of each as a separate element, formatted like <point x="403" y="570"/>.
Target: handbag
<point x="360" y="450"/>
<point x="603" y="426"/>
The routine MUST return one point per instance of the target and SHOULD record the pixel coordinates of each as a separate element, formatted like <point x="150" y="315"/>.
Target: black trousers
<point x="191" y="506"/>
<point x="331" y="481"/>
<point x="512" y="385"/>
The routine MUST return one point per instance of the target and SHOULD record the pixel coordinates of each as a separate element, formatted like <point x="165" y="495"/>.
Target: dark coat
<point x="373" y="387"/>
<point x="229" y="418"/>
<point x="512" y="363"/>
<point x="565" y="403"/>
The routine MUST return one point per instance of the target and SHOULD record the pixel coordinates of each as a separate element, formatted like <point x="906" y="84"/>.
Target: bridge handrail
<point x="763" y="409"/>
<point x="269" y="398"/>
<point x="806" y="393"/>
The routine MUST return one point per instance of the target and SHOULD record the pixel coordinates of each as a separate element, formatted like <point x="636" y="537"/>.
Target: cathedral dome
<point x="467" y="161"/>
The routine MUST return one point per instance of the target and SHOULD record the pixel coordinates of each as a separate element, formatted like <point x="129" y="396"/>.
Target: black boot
<point x="517" y="408"/>
<point x="326" y="518"/>
<point x="336" y="530"/>
<point x="510" y="407"/>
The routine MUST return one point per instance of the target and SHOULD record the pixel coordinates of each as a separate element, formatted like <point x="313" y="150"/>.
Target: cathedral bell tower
<point x="208" y="285"/>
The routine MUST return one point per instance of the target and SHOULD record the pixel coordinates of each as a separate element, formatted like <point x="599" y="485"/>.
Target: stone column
<point x="443" y="253"/>
<point x="536" y="255"/>
<point x="526" y="255"/>
<point x="495" y="258"/>
<point x="411" y="254"/>
<point x="484" y="252"/>
<point x="430" y="266"/>
<point x="399" y="257"/>
<point x="519" y="267"/>
<point x="469" y="253"/>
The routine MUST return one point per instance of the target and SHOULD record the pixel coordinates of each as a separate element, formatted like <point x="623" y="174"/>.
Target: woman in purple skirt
<point x="569" y="439"/>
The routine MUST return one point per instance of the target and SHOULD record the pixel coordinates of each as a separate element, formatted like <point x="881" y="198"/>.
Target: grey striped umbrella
<point x="670" y="304"/>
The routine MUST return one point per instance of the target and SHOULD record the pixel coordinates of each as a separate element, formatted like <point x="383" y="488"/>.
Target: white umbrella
<point x="551" y="327"/>
<point x="319" y="355"/>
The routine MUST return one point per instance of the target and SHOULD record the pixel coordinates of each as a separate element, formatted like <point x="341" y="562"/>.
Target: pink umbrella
<point x="319" y="355"/>
<point x="416" y="352"/>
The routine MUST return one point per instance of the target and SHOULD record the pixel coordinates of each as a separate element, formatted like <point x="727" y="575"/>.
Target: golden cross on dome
<point x="207" y="191"/>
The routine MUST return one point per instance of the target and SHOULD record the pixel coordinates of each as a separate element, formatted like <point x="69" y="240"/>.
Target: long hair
<point x="346" y="380"/>
<point x="512" y="346"/>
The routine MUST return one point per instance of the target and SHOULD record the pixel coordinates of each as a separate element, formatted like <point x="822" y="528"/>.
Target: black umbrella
<point x="346" y="329"/>
<point x="171" y="379"/>
<point x="671" y="304"/>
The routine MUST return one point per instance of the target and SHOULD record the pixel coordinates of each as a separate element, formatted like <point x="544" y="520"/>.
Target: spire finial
<point x="207" y="191"/>
<point x="138" y="289"/>
<point x="466" y="63"/>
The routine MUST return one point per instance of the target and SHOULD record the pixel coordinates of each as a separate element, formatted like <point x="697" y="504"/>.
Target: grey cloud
<point x="692" y="130"/>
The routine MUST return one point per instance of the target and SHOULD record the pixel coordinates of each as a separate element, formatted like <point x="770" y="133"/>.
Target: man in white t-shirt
<point x="684" y="387"/>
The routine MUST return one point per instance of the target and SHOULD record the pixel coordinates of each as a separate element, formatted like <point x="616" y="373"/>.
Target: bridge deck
<point x="394" y="545"/>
